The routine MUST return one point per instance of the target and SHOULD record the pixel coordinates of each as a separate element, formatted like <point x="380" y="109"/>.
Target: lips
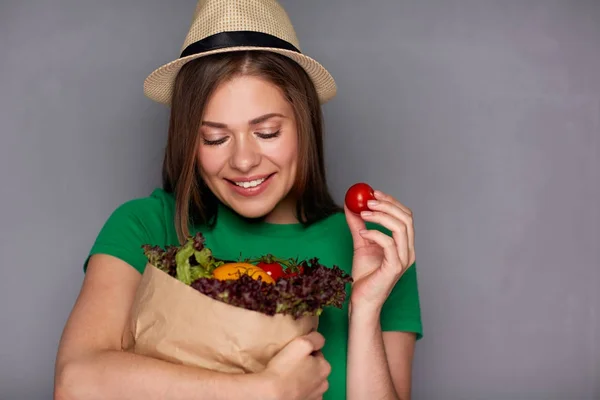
<point x="250" y="186"/>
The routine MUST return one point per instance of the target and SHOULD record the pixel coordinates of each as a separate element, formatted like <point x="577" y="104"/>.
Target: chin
<point x="253" y="211"/>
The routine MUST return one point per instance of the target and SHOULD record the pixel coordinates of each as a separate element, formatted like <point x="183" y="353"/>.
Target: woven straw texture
<point x="216" y="16"/>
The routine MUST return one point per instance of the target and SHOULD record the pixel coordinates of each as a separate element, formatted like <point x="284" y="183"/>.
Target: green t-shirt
<point x="150" y="220"/>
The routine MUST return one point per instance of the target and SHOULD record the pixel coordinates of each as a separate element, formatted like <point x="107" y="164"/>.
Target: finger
<point x="321" y="389"/>
<point x="379" y="195"/>
<point x="392" y="265"/>
<point x="397" y="212"/>
<point x="397" y="227"/>
<point x="325" y="368"/>
<point x="302" y="346"/>
<point x="356" y="224"/>
<point x="316" y="340"/>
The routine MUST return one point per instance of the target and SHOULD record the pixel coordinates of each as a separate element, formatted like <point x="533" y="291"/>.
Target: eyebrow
<point x="255" y="121"/>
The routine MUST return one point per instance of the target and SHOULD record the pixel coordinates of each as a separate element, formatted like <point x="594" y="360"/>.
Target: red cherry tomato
<point x="357" y="197"/>
<point x="273" y="269"/>
<point x="299" y="271"/>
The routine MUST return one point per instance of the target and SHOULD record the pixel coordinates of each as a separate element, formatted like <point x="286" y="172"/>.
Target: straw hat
<point x="220" y="26"/>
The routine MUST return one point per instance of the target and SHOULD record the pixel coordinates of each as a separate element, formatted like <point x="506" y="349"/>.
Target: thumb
<point x="302" y="346"/>
<point x="356" y="224"/>
<point x="316" y="339"/>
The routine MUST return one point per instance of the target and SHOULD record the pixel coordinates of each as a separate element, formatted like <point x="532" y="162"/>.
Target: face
<point x="248" y="149"/>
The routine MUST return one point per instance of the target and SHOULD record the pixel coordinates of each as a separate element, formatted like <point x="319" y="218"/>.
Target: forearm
<point x="120" y="375"/>
<point x="368" y="371"/>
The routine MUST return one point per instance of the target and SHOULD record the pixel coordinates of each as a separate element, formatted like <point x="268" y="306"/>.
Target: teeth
<point x="250" y="184"/>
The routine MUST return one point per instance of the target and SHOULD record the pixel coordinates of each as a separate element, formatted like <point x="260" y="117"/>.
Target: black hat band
<point x="237" y="39"/>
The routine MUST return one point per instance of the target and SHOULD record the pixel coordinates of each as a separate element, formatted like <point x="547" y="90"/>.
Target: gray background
<point x="482" y="116"/>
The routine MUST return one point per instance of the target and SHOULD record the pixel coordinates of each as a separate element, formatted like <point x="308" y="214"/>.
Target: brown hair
<point x="194" y="84"/>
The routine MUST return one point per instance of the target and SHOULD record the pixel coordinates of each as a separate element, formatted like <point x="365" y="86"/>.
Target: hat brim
<point x="158" y="86"/>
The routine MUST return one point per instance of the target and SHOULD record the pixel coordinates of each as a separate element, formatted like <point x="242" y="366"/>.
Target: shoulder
<point x="152" y="208"/>
<point x="134" y="223"/>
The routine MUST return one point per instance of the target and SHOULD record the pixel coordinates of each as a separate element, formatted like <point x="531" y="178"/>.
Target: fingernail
<point x="372" y="203"/>
<point x="362" y="231"/>
<point x="366" y="213"/>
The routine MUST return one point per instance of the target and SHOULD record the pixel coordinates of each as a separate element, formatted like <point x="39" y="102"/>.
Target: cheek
<point x="292" y="157"/>
<point x="285" y="154"/>
<point x="209" y="164"/>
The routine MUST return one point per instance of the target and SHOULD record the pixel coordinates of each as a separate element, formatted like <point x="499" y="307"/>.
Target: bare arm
<point x="379" y="363"/>
<point x="91" y="365"/>
<point x="400" y="349"/>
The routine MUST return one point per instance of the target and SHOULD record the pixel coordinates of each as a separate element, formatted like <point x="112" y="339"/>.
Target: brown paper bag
<point x="174" y="322"/>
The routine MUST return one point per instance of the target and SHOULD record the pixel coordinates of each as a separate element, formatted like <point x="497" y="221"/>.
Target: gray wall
<point x="482" y="116"/>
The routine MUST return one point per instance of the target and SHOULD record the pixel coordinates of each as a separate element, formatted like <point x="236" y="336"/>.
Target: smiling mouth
<point x="250" y="184"/>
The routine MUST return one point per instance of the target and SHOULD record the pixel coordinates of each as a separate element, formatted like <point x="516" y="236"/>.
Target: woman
<point x="244" y="166"/>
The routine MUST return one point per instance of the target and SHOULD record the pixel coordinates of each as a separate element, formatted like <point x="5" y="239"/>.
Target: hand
<point x="299" y="371"/>
<point x="380" y="260"/>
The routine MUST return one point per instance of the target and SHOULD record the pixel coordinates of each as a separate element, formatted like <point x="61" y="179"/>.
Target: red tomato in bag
<point x="290" y="272"/>
<point x="273" y="269"/>
<point x="357" y="197"/>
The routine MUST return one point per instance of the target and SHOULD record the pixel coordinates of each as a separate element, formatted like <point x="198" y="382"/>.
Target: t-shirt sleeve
<point x="402" y="309"/>
<point x="124" y="233"/>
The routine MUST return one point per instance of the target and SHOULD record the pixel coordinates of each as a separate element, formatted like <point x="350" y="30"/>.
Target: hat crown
<point x="217" y="16"/>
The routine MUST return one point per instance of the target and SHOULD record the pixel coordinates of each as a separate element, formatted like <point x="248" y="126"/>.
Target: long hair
<point x="193" y="87"/>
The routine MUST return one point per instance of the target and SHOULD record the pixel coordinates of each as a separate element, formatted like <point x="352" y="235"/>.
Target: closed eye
<point x="222" y="140"/>
<point x="214" y="142"/>
<point x="268" y="135"/>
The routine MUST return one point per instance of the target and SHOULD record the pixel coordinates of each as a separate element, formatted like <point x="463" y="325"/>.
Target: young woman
<point x="244" y="166"/>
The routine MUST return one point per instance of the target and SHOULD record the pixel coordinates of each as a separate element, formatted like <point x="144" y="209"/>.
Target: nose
<point x="246" y="154"/>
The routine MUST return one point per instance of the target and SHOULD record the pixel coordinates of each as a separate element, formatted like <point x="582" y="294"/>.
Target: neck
<point x="283" y="213"/>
